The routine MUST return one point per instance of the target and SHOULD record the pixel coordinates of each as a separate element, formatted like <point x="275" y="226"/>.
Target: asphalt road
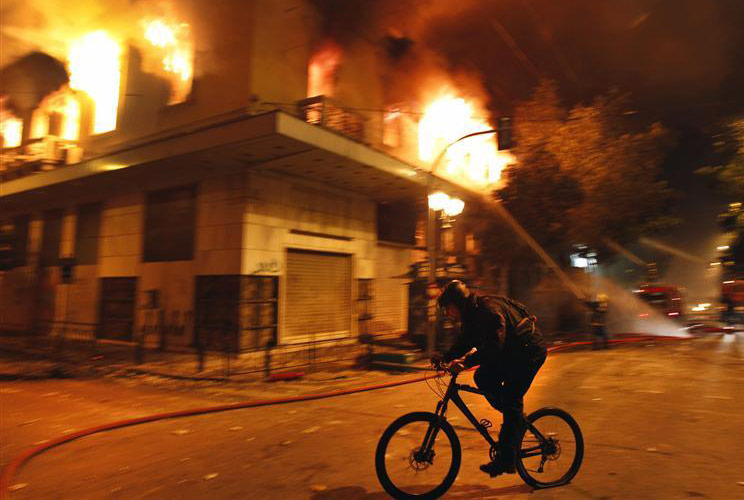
<point x="660" y="420"/>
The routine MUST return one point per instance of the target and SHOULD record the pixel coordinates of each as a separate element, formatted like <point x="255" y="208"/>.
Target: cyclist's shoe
<point x="496" y="468"/>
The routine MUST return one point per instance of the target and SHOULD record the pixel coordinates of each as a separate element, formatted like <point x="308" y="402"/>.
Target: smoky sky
<point x="679" y="59"/>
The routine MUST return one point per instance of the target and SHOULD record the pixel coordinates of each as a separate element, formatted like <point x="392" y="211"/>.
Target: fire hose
<point x="13" y="467"/>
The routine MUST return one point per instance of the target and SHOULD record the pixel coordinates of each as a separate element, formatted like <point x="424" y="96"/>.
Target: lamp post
<point x="439" y="201"/>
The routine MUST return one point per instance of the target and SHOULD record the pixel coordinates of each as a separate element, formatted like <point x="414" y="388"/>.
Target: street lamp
<point x="439" y="201"/>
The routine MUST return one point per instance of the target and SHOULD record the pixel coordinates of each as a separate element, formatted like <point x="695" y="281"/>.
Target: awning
<point x="276" y="142"/>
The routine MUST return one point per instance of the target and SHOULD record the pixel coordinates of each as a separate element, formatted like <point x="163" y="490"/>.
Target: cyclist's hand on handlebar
<point x="437" y="361"/>
<point x="456" y="366"/>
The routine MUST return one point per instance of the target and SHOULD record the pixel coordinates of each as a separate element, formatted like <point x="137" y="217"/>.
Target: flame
<point x="321" y="70"/>
<point x="475" y="161"/>
<point x="11" y="129"/>
<point x="174" y="41"/>
<point x="95" y="68"/>
<point x="63" y="104"/>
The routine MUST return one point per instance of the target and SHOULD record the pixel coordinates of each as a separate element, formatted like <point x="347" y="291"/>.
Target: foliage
<point x="585" y="174"/>
<point x="730" y="176"/>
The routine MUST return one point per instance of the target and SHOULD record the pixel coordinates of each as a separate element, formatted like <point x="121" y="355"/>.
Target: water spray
<point x="674" y="251"/>
<point x="504" y="213"/>
<point x="625" y="252"/>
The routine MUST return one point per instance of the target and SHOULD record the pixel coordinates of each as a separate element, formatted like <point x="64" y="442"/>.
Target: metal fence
<point x="65" y="338"/>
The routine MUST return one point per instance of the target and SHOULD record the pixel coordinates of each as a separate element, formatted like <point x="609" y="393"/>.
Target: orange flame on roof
<point x="475" y="161"/>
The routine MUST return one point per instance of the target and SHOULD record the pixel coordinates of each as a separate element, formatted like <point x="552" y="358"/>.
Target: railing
<point x="320" y="110"/>
<point x="63" y="339"/>
<point x="38" y="155"/>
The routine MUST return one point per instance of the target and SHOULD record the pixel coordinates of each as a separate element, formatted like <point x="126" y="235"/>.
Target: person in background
<point x="598" y="321"/>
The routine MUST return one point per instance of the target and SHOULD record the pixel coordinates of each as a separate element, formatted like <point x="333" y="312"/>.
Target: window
<point x="51" y="238"/>
<point x="364" y="307"/>
<point x="86" y="233"/>
<point x="239" y="312"/>
<point x="258" y="311"/>
<point x="396" y="222"/>
<point x="170" y="220"/>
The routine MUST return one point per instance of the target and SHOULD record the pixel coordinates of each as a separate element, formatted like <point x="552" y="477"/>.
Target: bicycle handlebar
<point x="445" y="366"/>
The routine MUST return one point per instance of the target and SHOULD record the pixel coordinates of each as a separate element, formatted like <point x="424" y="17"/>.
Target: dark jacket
<point x="501" y="329"/>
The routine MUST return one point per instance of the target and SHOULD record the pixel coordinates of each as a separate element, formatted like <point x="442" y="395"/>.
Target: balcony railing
<point x="320" y="110"/>
<point x="38" y="155"/>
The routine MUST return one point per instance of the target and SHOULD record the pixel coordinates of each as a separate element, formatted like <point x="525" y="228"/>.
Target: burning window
<point x="11" y="129"/>
<point x="321" y="70"/>
<point x="172" y="42"/>
<point x="58" y="115"/>
<point x="95" y="68"/>
<point x="476" y="160"/>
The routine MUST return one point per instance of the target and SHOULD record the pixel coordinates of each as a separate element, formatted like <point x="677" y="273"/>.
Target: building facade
<point x="234" y="211"/>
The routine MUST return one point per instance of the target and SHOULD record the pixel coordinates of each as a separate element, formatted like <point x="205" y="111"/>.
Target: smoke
<point x="666" y="53"/>
<point x="28" y="80"/>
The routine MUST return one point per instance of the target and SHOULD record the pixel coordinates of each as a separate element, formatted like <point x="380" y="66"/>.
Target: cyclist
<point x="510" y="351"/>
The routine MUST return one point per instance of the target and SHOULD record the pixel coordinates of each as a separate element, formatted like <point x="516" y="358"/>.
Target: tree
<point x="730" y="145"/>
<point x="585" y="174"/>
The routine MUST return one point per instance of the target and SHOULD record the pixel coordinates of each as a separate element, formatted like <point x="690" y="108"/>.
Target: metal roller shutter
<point x="390" y="298"/>
<point x="318" y="296"/>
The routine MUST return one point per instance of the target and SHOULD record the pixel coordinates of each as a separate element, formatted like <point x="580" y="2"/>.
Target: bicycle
<point x="542" y="446"/>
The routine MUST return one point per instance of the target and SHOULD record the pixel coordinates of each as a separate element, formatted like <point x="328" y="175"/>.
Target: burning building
<point x="214" y="175"/>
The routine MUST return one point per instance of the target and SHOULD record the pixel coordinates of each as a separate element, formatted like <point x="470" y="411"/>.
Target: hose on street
<point x="14" y="467"/>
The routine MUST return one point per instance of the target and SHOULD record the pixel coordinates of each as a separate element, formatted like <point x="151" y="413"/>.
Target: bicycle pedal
<point x="485" y="423"/>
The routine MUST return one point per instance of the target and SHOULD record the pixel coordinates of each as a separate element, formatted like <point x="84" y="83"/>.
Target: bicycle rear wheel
<point x="407" y="471"/>
<point x="552" y="450"/>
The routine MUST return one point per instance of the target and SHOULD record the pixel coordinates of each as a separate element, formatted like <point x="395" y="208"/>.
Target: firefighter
<point x="598" y="321"/>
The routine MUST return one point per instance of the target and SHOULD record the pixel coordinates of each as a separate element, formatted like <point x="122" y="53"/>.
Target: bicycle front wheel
<point x="552" y="449"/>
<point x="418" y="457"/>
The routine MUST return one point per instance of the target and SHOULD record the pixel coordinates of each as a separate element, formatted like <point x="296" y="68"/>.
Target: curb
<point x="14" y="466"/>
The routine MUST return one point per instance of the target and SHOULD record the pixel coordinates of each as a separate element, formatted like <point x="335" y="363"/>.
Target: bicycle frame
<point x="453" y="395"/>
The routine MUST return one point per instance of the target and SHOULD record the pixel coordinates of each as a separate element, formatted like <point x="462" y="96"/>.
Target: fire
<point x="321" y="70"/>
<point x="11" y="129"/>
<point x="95" y="68"/>
<point x="58" y="114"/>
<point x="174" y="42"/>
<point x="475" y="161"/>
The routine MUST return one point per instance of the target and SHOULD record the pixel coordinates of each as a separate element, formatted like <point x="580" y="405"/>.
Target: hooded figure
<point x="510" y="351"/>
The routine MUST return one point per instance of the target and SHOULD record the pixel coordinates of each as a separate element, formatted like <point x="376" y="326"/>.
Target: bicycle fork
<point x="426" y="451"/>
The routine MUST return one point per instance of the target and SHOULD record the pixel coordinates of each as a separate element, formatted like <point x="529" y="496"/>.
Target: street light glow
<point x="438" y="200"/>
<point x="454" y="206"/>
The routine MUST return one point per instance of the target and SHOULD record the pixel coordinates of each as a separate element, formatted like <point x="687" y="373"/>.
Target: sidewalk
<point x="28" y="357"/>
<point x="34" y="358"/>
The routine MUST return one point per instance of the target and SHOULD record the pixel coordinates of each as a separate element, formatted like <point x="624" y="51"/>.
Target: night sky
<point x="680" y="60"/>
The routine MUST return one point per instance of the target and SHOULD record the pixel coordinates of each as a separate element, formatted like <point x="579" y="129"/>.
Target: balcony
<point x="320" y="110"/>
<point x="38" y="155"/>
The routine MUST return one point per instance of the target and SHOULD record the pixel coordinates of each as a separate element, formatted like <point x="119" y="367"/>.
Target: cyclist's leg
<point x="489" y="379"/>
<point x="515" y="387"/>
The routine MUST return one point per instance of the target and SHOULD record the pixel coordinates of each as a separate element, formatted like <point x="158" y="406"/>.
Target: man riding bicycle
<point x="510" y="351"/>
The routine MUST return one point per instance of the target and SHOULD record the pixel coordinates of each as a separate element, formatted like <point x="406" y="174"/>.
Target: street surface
<point x="660" y="420"/>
